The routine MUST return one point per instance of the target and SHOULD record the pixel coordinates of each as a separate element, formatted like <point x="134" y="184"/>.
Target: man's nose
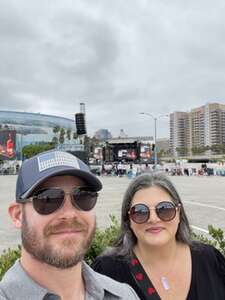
<point x="68" y="209"/>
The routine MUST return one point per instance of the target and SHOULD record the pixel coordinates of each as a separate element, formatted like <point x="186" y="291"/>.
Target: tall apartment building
<point x="179" y="123"/>
<point x="202" y="126"/>
<point x="198" y="130"/>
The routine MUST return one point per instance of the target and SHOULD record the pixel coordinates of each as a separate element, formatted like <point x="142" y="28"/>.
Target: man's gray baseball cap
<point x="51" y="163"/>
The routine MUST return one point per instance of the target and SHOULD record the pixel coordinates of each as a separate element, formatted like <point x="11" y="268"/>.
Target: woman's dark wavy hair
<point x="127" y="239"/>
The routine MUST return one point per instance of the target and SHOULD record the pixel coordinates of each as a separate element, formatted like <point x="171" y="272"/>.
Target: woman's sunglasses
<point x="47" y="201"/>
<point x="165" y="210"/>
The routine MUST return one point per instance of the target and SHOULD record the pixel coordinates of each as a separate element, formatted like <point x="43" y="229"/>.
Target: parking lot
<point x="203" y="197"/>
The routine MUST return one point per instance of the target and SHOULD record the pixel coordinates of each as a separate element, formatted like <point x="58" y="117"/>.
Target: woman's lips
<point x="154" y="230"/>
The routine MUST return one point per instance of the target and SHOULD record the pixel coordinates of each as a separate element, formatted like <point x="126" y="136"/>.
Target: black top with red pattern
<point x="207" y="282"/>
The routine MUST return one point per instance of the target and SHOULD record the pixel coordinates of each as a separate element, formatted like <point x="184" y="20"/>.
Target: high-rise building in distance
<point x="200" y="128"/>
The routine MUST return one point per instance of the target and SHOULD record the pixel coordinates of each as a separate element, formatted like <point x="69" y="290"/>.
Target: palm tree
<point x="56" y="129"/>
<point x="75" y="136"/>
<point x="68" y="134"/>
<point x="61" y="135"/>
<point x="55" y="140"/>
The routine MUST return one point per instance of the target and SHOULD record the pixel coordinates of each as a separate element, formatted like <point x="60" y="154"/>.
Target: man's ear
<point x="15" y="212"/>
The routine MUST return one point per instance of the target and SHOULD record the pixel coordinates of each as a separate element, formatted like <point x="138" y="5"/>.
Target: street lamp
<point x="155" y="125"/>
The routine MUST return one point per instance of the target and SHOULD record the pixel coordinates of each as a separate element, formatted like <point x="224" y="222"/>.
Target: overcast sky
<point x="119" y="57"/>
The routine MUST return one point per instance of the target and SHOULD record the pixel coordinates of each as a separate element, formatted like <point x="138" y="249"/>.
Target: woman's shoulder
<point x="209" y="256"/>
<point x="115" y="267"/>
<point x="108" y="262"/>
<point x="205" y="250"/>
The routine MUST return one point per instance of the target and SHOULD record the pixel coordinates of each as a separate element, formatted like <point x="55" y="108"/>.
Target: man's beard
<point x="46" y="252"/>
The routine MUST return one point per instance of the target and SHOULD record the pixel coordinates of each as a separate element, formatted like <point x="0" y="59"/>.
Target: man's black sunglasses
<point x="48" y="200"/>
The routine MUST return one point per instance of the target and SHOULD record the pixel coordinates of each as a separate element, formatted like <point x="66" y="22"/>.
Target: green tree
<point x="218" y="148"/>
<point x="182" y="151"/>
<point x="68" y="134"/>
<point x="87" y="142"/>
<point x="55" y="140"/>
<point x="94" y="143"/>
<point x="75" y="136"/>
<point x="198" y="150"/>
<point x="215" y="148"/>
<point x="56" y="129"/>
<point x="62" y="135"/>
<point x="162" y="153"/>
<point x="31" y="150"/>
<point x="207" y="147"/>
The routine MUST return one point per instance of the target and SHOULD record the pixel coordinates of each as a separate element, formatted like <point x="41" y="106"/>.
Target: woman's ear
<point x="15" y="212"/>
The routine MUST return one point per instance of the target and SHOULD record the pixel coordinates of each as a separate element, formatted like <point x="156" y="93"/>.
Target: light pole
<point x="155" y="137"/>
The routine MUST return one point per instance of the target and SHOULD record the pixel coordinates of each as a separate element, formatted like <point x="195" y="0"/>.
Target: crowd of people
<point x="172" y="169"/>
<point x="9" y="167"/>
<point x="125" y="169"/>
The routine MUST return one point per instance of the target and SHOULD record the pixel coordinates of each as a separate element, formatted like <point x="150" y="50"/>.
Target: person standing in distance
<point x="55" y="197"/>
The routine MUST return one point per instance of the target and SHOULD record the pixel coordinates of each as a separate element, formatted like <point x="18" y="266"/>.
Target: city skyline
<point x="118" y="59"/>
<point x="182" y="115"/>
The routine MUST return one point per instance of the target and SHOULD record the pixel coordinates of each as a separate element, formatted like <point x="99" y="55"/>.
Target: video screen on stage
<point x="145" y="151"/>
<point x="98" y="153"/>
<point x="7" y="144"/>
<point x="127" y="154"/>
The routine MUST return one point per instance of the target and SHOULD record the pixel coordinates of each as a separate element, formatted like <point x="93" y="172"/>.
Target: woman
<point x="154" y="252"/>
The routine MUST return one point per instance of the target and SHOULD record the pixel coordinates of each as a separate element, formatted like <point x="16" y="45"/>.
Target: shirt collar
<point x="92" y="285"/>
<point x="24" y="286"/>
<point x="97" y="285"/>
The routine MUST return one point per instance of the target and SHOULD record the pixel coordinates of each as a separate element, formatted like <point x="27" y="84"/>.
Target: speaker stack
<point x="80" y="123"/>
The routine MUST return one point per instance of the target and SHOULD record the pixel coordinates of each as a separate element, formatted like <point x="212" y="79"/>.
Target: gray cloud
<point x="152" y="56"/>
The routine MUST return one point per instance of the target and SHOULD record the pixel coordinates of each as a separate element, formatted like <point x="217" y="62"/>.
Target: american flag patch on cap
<point x="55" y="159"/>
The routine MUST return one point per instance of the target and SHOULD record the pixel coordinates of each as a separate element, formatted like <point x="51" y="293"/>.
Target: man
<point x="55" y="197"/>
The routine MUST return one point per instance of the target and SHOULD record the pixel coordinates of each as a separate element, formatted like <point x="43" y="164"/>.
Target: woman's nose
<point x="153" y="216"/>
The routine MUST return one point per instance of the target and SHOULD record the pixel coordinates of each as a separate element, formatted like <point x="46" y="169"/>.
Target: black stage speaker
<point x="80" y="123"/>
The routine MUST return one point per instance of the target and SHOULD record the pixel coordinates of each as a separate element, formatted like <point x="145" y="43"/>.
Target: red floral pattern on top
<point x="143" y="281"/>
<point x="134" y="262"/>
<point x="139" y="276"/>
<point x="151" y="290"/>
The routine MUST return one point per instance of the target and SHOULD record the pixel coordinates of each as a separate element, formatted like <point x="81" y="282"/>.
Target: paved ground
<point x="203" y="197"/>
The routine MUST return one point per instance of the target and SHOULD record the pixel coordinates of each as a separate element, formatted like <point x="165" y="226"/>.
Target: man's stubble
<point x="44" y="251"/>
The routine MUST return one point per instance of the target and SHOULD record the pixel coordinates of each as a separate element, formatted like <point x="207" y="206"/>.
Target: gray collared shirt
<point x="17" y="285"/>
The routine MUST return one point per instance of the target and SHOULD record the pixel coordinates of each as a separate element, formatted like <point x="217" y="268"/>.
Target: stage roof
<point x="130" y="140"/>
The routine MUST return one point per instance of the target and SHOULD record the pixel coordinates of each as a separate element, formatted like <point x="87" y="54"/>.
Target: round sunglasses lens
<point x="84" y="198"/>
<point x="139" y="213"/>
<point x="166" y="211"/>
<point x="47" y="201"/>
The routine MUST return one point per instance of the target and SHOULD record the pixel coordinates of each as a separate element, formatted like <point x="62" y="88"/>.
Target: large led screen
<point x="130" y="154"/>
<point x="145" y="151"/>
<point x="98" y="153"/>
<point x="7" y="144"/>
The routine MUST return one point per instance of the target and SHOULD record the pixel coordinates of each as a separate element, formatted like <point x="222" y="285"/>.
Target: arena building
<point x="31" y="128"/>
